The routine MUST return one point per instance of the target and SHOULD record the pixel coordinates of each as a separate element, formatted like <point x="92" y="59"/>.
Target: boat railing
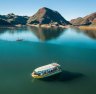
<point x="39" y="73"/>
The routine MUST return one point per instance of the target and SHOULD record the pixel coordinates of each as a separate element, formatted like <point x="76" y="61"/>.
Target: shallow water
<point x="73" y="49"/>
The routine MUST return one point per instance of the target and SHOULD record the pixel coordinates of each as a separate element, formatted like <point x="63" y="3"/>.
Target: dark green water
<point x="73" y="49"/>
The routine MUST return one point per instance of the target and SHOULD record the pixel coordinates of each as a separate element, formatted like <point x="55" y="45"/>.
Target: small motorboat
<point x="19" y="40"/>
<point x="46" y="71"/>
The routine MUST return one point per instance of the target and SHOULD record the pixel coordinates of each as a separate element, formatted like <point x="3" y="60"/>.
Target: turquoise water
<point x="73" y="49"/>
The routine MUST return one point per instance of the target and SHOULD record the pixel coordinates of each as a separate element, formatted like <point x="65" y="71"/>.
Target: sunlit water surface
<point x="24" y="49"/>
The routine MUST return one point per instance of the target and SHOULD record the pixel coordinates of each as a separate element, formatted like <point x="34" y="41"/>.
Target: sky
<point x="69" y="9"/>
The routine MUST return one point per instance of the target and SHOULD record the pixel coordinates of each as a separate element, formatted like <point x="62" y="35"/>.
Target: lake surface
<point x="73" y="49"/>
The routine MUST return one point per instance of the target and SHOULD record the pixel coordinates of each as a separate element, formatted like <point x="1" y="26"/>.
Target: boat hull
<point x="46" y="75"/>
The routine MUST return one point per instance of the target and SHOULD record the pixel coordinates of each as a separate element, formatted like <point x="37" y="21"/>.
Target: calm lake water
<point x="73" y="49"/>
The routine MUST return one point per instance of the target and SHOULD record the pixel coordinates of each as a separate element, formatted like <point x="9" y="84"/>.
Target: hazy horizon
<point x="69" y="9"/>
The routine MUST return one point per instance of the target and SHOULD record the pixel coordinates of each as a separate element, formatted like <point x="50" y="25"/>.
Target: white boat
<point x="46" y="71"/>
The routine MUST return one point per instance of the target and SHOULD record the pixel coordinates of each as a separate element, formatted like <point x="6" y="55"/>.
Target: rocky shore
<point x="48" y="26"/>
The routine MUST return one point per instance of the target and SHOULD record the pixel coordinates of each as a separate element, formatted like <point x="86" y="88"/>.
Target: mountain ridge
<point x="47" y="16"/>
<point x="87" y="20"/>
<point x="14" y="19"/>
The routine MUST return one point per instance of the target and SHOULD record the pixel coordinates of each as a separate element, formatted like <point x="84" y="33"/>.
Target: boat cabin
<point x="47" y="69"/>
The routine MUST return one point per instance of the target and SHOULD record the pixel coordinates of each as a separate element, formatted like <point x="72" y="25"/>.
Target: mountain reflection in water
<point x="30" y="33"/>
<point x="91" y="34"/>
<point x="46" y="34"/>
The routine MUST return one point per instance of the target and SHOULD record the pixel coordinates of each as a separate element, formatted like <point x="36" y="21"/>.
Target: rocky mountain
<point x="14" y="19"/>
<point x="94" y="22"/>
<point x="4" y="23"/>
<point x="47" y="16"/>
<point x="87" y="20"/>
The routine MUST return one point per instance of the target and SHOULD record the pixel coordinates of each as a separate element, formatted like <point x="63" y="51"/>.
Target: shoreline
<point x="89" y="28"/>
<point x="14" y="26"/>
<point x="10" y="27"/>
<point x="48" y="26"/>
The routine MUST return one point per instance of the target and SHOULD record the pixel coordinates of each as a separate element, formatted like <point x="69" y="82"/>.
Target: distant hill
<point x="15" y="19"/>
<point x="47" y="16"/>
<point x="87" y="20"/>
